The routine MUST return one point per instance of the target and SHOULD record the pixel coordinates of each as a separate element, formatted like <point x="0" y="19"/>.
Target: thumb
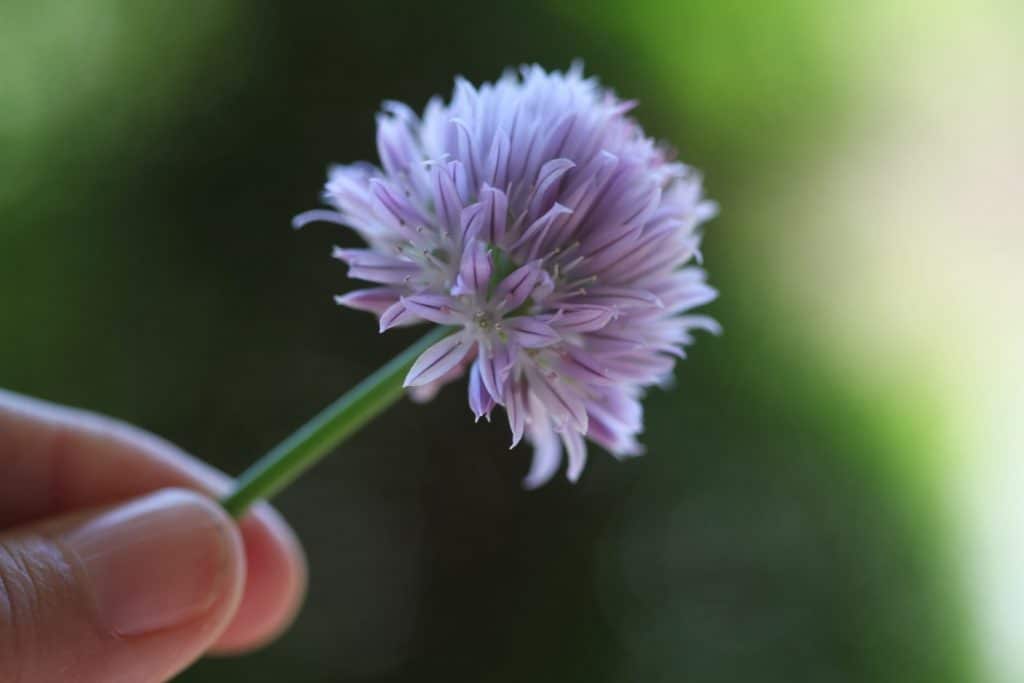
<point x="132" y="594"/>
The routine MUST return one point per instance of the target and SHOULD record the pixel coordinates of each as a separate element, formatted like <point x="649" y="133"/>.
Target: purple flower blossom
<point x="537" y="219"/>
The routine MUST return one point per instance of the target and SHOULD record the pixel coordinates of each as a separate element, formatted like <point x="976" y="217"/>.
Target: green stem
<point x="338" y="421"/>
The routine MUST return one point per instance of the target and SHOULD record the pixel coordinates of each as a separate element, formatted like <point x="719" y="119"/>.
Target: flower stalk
<point x="327" y="430"/>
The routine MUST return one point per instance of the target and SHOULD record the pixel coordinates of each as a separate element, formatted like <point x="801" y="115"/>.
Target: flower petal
<point x="496" y="164"/>
<point x="582" y="319"/>
<point x="547" y="456"/>
<point x="614" y="341"/>
<point x="436" y="361"/>
<point x="447" y="201"/>
<point x="474" y="270"/>
<point x="515" y="407"/>
<point x="517" y="286"/>
<point x="495" y="367"/>
<point x="486" y="219"/>
<point x="577" y="454"/>
<point x="530" y="332"/>
<point x="480" y="400"/>
<point x="397" y="145"/>
<point x="584" y="367"/>
<point x="436" y="308"/>
<point x="616" y="297"/>
<point x="532" y="240"/>
<point x="547" y="185"/>
<point x="560" y="401"/>
<point x="373" y="300"/>
<point x="397" y="315"/>
<point x="373" y="266"/>
<point x="701" y="322"/>
<point x="398" y="205"/>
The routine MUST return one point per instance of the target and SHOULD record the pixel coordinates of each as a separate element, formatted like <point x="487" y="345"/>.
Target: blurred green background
<point x="801" y="514"/>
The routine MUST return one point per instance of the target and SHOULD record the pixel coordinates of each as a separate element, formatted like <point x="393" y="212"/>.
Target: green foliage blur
<point x="152" y="155"/>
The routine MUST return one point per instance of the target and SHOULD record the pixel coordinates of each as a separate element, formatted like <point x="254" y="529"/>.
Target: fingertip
<point x="275" y="583"/>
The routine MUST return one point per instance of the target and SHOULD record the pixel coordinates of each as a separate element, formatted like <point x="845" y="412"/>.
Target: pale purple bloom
<point x="536" y="218"/>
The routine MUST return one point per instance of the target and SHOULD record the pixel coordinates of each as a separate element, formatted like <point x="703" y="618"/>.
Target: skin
<point x="65" y="473"/>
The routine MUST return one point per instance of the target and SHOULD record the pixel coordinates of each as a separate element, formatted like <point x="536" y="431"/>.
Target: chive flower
<point x="534" y="218"/>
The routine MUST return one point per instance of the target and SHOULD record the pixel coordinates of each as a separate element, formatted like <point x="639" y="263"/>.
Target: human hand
<point x="115" y="562"/>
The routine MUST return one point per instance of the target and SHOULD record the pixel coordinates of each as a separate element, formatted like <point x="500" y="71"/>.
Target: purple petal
<point x="496" y="165"/>
<point x="486" y="220"/>
<point x="530" y="333"/>
<point x="440" y="358"/>
<point x="375" y="300"/>
<point x="607" y="246"/>
<point x="495" y="366"/>
<point x="426" y="392"/>
<point x="536" y="238"/>
<point x="397" y="316"/>
<point x="547" y="185"/>
<point x="701" y="322"/>
<point x="397" y="205"/>
<point x="515" y="407"/>
<point x="582" y="319"/>
<point x="317" y="215"/>
<point x="447" y="201"/>
<point x="692" y="296"/>
<point x="517" y="286"/>
<point x="618" y="442"/>
<point x="348" y="190"/>
<point x="577" y="454"/>
<point x="606" y="341"/>
<point x="641" y="368"/>
<point x="560" y="401"/>
<point x="614" y="422"/>
<point x="373" y="266"/>
<point x="587" y="190"/>
<point x="556" y="140"/>
<point x="584" y="367"/>
<point x="436" y="308"/>
<point x="480" y="400"/>
<point x="474" y="270"/>
<point x="601" y="261"/>
<point x="396" y="145"/>
<point x="617" y="297"/>
<point x="544" y="288"/>
<point x="547" y="456"/>
<point x="466" y="151"/>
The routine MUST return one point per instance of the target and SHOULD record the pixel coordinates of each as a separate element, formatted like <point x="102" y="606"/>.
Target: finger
<point x="57" y="460"/>
<point x="274" y="587"/>
<point x="134" y="593"/>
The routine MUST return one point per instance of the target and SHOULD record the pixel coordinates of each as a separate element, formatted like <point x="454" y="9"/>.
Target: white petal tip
<point x="531" y="485"/>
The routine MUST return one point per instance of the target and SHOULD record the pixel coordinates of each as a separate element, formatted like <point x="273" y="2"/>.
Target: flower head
<point x="536" y="218"/>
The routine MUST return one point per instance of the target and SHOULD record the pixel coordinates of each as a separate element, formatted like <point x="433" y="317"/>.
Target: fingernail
<point x="154" y="563"/>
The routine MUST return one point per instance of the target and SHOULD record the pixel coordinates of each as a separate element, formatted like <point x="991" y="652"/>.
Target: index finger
<point x="56" y="460"/>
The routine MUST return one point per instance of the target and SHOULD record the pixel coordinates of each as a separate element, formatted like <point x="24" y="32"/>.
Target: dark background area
<point x="149" y="272"/>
